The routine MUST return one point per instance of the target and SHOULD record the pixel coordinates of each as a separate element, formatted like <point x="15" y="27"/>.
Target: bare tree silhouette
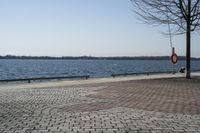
<point x="183" y="15"/>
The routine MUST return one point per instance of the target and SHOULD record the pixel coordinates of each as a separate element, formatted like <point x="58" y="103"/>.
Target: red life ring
<point x="174" y="58"/>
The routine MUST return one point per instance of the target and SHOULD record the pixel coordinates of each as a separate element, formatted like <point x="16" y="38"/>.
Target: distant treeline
<point x="93" y="58"/>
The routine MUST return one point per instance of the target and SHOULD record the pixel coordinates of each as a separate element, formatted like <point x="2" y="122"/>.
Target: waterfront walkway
<point x="157" y="104"/>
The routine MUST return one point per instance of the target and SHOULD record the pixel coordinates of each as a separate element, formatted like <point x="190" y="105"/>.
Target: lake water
<point x="14" y="69"/>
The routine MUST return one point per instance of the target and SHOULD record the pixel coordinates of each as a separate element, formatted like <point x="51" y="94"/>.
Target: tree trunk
<point x="188" y="41"/>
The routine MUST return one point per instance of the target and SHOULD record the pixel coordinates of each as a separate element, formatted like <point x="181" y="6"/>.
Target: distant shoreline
<point x="94" y="58"/>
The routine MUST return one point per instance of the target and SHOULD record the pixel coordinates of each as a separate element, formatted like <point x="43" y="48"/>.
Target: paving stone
<point x="114" y="108"/>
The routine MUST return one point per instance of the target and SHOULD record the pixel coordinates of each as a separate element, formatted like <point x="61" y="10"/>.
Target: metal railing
<point x="87" y="76"/>
<point x="45" y="78"/>
<point x="142" y="73"/>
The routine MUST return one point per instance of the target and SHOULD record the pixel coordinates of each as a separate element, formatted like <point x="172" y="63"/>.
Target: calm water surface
<point x="12" y="69"/>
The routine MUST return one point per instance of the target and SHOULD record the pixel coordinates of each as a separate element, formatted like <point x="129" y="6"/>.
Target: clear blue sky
<point x="81" y="27"/>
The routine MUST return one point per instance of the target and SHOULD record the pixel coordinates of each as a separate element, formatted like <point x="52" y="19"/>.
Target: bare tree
<point x="183" y="15"/>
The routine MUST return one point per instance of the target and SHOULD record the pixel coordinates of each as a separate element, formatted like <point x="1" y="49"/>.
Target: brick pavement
<point x="145" y="106"/>
<point x="171" y="96"/>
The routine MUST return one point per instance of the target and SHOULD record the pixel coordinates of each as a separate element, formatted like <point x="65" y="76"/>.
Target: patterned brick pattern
<point x="171" y="96"/>
<point x="128" y="107"/>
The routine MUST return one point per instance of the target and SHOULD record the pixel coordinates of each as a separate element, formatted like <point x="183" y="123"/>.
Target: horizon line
<point x="89" y="57"/>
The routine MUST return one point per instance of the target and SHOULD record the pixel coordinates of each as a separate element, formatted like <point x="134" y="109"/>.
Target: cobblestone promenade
<point x="145" y="106"/>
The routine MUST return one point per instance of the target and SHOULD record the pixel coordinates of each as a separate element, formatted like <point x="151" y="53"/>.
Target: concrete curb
<point x="65" y="83"/>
